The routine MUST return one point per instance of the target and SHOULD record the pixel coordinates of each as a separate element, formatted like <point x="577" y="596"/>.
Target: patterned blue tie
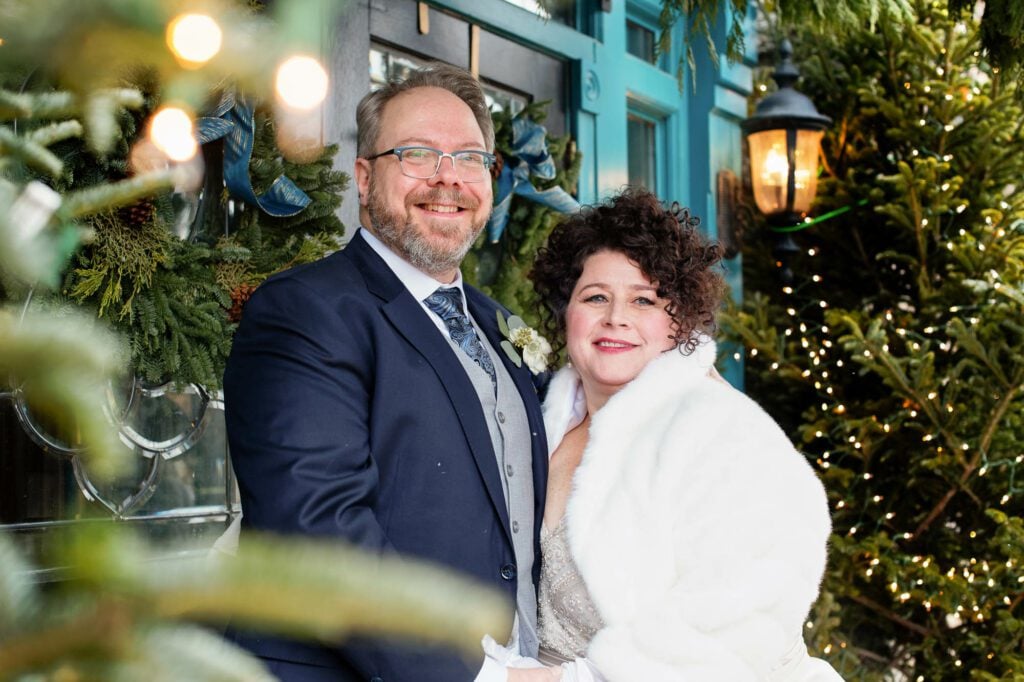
<point x="447" y="304"/>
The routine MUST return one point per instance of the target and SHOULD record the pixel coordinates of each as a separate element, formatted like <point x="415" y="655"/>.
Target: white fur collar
<point x="565" y="406"/>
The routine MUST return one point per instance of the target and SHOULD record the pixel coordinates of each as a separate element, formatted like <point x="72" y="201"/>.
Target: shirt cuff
<point x="492" y="671"/>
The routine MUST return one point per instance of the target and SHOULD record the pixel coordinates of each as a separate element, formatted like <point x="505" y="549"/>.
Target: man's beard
<point x="402" y="236"/>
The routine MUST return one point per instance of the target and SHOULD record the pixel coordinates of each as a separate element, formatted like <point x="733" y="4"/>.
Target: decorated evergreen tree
<point x="896" y="360"/>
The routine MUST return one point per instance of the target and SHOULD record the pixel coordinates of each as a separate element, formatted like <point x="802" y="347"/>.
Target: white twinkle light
<point x="194" y="38"/>
<point x="171" y="132"/>
<point x="301" y="83"/>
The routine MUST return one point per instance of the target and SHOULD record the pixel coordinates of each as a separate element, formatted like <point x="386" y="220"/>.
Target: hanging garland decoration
<point x="178" y="298"/>
<point x="234" y="119"/>
<point x="535" y="178"/>
<point x="527" y="157"/>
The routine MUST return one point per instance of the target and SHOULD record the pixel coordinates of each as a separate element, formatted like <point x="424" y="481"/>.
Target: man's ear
<point x="362" y="173"/>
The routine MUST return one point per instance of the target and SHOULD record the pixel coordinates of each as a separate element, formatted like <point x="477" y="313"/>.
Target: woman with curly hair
<point x="684" y="536"/>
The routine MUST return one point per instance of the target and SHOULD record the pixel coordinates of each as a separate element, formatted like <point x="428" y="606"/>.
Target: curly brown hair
<point x="664" y="243"/>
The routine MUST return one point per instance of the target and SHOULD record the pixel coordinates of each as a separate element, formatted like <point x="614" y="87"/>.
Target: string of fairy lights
<point x="819" y="364"/>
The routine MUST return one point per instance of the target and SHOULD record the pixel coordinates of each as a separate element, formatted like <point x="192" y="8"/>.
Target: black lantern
<point x="784" y="138"/>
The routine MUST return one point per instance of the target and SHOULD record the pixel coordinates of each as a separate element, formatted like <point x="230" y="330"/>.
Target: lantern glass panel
<point x="769" y="170"/>
<point x="808" y="146"/>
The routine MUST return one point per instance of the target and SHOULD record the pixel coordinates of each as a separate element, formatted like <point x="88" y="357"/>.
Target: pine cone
<point x="138" y="214"/>
<point x="239" y="297"/>
<point x="499" y="163"/>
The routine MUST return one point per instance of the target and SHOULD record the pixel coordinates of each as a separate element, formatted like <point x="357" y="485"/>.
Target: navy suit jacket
<point x="350" y="417"/>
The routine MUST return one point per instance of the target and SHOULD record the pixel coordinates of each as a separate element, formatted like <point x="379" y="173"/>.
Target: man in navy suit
<point x="365" y="404"/>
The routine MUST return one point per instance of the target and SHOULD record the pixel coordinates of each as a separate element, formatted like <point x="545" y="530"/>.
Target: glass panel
<point x="769" y="170"/>
<point x="499" y="99"/>
<point x="562" y="11"/>
<point x="389" y="64"/>
<point x="45" y="483"/>
<point x="808" y="144"/>
<point x="640" y="41"/>
<point x="642" y="144"/>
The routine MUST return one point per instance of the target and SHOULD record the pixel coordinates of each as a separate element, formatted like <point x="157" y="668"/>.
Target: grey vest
<point x="510" y="436"/>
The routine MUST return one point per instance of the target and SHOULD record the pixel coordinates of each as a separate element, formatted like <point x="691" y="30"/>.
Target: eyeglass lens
<point x="424" y="163"/>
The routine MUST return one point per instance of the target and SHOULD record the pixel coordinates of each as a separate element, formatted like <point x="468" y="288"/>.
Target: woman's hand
<point x="534" y="674"/>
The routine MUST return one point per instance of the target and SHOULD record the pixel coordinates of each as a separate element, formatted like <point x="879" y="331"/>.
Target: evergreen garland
<point x="896" y="360"/>
<point x="500" y="270"/>
<point x="178" y="300"/>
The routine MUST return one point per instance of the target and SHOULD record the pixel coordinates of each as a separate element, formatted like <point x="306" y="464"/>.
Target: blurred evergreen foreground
<point x="122" y="610"/>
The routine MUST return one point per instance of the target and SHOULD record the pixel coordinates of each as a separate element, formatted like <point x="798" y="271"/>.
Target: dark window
<point x="640" y="42"/>
<point x="387" y="63"/>
<point x="642" y="136"/>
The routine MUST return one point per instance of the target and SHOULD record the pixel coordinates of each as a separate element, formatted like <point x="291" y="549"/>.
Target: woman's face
<point x="615" y="324"/>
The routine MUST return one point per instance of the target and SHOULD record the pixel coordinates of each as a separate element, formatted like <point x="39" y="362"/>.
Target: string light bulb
<point x="194" y="38"/>
<point x="301" y="82"/>
<point x="171" y="132"/>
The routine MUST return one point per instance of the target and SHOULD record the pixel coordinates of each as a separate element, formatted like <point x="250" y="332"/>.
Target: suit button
<point x="508" y="571"/>
<point x="509" y="470"/>
<point x="515" y="526"/>
<point x="501" y="417"/>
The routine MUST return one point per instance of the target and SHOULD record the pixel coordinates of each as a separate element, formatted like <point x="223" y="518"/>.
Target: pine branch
<point x="996" y="418"/>
<point x="31" y="152"/>
<point x="121" y="606"/>
<point x="62" y="365"/>
<point x="894" y="617"/>
<point x="55" y="132"/>
<point x="53" y="105"/>
<point x="116" y="194"/>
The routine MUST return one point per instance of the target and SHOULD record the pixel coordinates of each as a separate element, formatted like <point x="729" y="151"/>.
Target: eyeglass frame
<point x="489" y="159"/>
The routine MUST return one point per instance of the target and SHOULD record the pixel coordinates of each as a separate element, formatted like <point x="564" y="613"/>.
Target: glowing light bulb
<point x="776" y="166"/>
<point x="170" y="129"/>
<point x="301" y="83"/>
<point x="194" y="38"/>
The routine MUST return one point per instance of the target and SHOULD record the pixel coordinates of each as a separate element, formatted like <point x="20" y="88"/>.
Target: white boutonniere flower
<point x="535" y="348"/>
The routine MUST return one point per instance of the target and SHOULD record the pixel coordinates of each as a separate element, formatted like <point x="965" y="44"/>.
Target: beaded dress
<point x="567" y="619"/>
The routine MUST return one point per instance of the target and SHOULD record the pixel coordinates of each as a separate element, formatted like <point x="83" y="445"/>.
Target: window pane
<point x="503" y="100"/>
<point x="186" y="490"/>
<point x="386" y="64"/>
<point x="642" y="153"/>
<point x="640" y="42"/>
<point x="562" y="11"/>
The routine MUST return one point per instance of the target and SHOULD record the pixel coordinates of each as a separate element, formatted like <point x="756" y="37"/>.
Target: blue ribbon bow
<point x="530" y="156"/>
<point x="235" y="119"/>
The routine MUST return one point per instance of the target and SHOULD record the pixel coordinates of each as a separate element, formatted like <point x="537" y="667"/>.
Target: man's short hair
<point x="457" y="81"/>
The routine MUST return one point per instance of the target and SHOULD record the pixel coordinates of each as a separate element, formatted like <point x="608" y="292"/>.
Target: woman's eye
<point x="595" y="298"/>
<point x="644" y="301"/>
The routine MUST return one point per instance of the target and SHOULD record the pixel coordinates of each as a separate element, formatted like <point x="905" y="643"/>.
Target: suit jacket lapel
<point x="411" y="321"/>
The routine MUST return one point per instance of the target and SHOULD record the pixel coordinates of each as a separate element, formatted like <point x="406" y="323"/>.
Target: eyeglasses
<point x="424" y="162"/>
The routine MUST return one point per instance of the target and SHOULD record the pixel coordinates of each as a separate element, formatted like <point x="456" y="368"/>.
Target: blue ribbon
<point x="530" y="156"/>
<point x="235" y="119"/>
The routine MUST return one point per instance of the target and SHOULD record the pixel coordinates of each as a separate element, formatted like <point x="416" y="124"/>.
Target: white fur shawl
<point x="698" y="528"/>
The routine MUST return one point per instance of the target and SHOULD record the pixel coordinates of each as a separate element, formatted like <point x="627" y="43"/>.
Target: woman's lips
<point x="613" y="345"/>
